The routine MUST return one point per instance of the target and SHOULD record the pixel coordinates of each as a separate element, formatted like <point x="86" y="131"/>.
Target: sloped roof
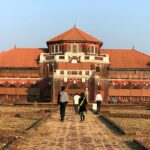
<point x="20" y="57"/>
<point x="74" y="34"/>
<point x="127" y="58"/>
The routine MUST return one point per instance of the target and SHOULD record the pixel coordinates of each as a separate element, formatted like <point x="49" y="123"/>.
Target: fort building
<point x="76" y="60"/>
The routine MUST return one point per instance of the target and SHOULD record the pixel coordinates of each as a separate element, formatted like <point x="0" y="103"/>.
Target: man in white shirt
<point x="76" y="102"/>
<point x="98" y="100"/>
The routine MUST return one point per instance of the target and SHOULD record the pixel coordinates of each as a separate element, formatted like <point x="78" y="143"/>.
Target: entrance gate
<point x="72" y="90"/>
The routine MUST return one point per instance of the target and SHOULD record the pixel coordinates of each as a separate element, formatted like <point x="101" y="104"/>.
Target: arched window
<point x="35" y="85"/>
<point x="23" y="86"/>
<point x="2" y="85"/>
<point x="12" y="85"/>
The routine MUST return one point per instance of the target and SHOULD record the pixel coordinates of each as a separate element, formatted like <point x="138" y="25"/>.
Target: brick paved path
<point x="70" y="135"/>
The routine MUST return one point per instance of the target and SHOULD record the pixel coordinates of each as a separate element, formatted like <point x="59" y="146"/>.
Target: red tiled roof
<point x="74" y="34"/>
<point x="20" y="57"/>
<point x="127" y="58"/>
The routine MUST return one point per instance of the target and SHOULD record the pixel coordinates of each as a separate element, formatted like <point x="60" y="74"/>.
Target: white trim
<point x="74" y="61"/>
<point x="70" y="72"/>
<point x="92" y="58"/>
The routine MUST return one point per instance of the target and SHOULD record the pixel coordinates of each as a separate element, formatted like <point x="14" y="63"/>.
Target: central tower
<point x="73" y="60"/>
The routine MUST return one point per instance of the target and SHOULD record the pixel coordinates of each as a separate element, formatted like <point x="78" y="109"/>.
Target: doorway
<point x="73" y="89"/>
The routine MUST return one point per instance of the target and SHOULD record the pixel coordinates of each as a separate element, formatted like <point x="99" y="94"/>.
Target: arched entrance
<point x="73" y="89"/>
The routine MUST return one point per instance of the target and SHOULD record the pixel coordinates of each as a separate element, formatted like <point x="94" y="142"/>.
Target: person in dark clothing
<point x="58" y="99"/>
<point x="82" y="106"/>
<point x="62" y="101"/>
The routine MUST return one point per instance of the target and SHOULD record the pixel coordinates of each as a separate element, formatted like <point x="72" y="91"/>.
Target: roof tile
<point x="127" y="58"/>
<point x="20" y="57"/>
<point x="74" y="34"/>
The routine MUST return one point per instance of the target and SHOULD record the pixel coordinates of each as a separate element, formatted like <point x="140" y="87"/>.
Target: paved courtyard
<point x="70" y="135"/>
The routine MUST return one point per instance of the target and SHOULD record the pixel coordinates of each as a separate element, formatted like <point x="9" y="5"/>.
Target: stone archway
<point x="73" y="89"/>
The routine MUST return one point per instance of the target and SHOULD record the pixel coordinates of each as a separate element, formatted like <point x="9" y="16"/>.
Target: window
<point x="97" y="69"/>
<point x="87" y="72"/>
<point x="60" y="49"/>
<point x="80" y="48"/>
<point x="12" y="85"/>
<point x="92" y="49"/>
<point x="56" y="48"/>
<point x="61" y="72"/>
<point x="88" y="50"/>
<point x="74" y="49"/>
<point x="80" y="72"/>
<point x="69" y="72"/>
<point x="52" y="49"/>
<point x="87" y="57"/>
<point x="2" y="85"/>
<point x="61" y="57"/>
<point x="69" y="48"/>
<point x="74" y="72"/>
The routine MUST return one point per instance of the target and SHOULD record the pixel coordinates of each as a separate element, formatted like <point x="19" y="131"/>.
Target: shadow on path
<point x="133" y="145"/>
<point x="110" y="126"/>
<point x="129" y="142"/>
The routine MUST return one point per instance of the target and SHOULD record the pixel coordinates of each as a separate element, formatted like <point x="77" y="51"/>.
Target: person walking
<point x="63" y="100"/>
<point x="76" y="102"/>
<point x="82" y="106"/>
<point x="98" y="100"/>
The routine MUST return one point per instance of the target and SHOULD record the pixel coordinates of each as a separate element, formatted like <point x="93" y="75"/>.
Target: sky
<point x="120" y="24"/>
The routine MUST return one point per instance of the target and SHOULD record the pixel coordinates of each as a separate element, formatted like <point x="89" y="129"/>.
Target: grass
<point x="20" y="109"/>
<point x="127" y="111"/>
<point x="15" y="120"/>
<point x="15" y="123"/>
<point x="133" y="126"/>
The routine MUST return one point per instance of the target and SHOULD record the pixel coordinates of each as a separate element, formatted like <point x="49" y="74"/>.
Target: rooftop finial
<point x="15" y="46"/>
<point x="74" y="26"/>
<point x="133" y="47"/>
